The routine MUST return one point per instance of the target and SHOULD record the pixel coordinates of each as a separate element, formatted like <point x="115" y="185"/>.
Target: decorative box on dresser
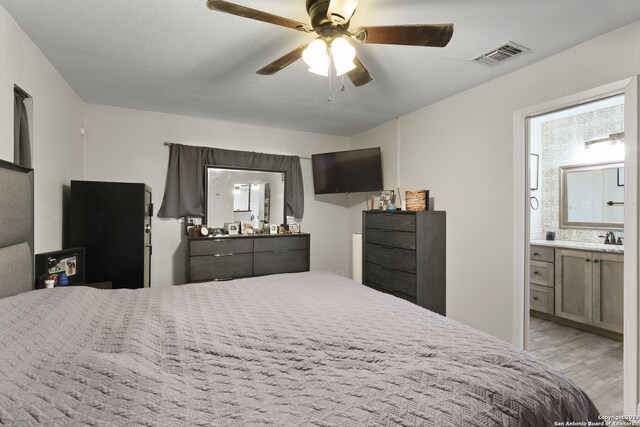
<point x="232" y="257"/>
<point x="404" y="254"/>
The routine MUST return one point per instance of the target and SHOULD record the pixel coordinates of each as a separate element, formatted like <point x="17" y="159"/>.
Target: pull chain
<point x="329" y="98"/>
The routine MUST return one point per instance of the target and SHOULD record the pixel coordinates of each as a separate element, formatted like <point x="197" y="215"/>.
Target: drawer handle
<point x="536" y="254"/>
<point x="595" y="261"/>
<point x="587" y="260"/>
<point x="535" y="272"/>
<point x="222" y="279"/>
<point x="536" y="298"/>
<point x="218" y="255"/>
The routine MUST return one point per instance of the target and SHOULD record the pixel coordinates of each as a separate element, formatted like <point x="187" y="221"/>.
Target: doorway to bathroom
<point x="523" y="173"/>
<point x="576" y="262"/>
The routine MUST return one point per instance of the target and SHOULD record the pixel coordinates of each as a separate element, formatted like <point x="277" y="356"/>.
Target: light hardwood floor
<point x="593" y="362"/>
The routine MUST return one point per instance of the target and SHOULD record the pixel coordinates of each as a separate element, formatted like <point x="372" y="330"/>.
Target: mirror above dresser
<point x="244" y="195"/>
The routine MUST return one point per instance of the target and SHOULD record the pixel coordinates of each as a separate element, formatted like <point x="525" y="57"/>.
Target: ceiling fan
<point x="330" y="19"/>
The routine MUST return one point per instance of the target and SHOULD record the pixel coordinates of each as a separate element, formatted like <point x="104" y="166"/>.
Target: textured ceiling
<point x="178" y="57"/>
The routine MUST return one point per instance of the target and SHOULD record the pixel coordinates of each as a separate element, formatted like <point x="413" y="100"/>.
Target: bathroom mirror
<point x="245" y="195"/>
<point x="592" y="196"/>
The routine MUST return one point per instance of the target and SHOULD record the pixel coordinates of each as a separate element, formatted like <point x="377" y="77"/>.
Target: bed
<point x="309" y="348"/>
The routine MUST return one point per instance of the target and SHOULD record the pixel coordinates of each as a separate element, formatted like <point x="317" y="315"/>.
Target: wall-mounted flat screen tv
<point x="347" y="171"/>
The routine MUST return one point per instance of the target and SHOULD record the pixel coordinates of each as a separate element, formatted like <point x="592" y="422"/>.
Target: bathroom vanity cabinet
<point x="542" y="279"/>
<point x="582" y="286"/>
<point x="589" y="288"/>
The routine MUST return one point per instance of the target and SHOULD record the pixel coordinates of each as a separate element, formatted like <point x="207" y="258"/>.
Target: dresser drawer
<point x="220" y="246"/>
<point x="387" y="256"/>
<point x="212" y="267"/>
<point x="392" y="292"/>
<point x="399" y="222"/>
<point x="541" y="299"/>
<point x="398" y="239"/>
<point x="542" y="253"/>
<point x="288" y="243"/>
<point x="280" y="262"/>
<point x="541" y="273"/>
<point x="394" y="280"/>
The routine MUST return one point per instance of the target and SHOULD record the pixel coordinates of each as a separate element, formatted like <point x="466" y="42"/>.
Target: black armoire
<point x="112" y="221"/>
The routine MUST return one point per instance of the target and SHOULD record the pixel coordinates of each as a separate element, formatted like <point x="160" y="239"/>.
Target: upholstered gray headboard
<point x="16" y="229"/>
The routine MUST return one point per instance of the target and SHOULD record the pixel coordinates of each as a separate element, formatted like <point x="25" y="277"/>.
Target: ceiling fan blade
<point x="359" y="76"/>
<point x="437" y="35"/>
<point x="234" y="9"/>
<point x="341" y="11"/>
<point x="282" y="62"/>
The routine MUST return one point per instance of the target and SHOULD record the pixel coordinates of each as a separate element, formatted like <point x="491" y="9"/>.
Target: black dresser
<point x="404" y="254"/>
<point x="231" y="257"/>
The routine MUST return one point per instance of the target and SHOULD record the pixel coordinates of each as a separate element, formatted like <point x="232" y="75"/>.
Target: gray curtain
<point x="21" y="140"/>
<point x="184" y="190"/>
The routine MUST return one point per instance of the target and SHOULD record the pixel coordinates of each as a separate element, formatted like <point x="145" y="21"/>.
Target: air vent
<point x="500" y="54"/>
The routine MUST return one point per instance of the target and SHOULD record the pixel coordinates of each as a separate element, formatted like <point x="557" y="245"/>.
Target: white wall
<point x="57" y="146"/>
<point x="126" y="145"/>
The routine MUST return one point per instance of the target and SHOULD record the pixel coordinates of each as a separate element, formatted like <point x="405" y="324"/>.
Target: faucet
<point x="610" y="238"/>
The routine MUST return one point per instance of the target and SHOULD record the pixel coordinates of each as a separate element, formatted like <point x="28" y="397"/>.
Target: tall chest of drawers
<point x="404" y="254"/>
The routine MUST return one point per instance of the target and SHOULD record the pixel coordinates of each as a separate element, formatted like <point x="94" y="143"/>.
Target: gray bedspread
<point x="287" y="350"/>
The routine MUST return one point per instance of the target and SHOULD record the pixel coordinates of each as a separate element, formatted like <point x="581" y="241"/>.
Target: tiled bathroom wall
<point x="563" y="144"/>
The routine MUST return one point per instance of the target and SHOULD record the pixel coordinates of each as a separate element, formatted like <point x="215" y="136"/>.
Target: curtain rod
<point x="167" y="144"/>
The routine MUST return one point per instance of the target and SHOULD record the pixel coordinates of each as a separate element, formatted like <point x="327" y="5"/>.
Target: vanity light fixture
<point x="614" y="137"/>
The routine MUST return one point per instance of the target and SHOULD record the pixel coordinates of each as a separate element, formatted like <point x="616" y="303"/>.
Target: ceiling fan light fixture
<point x="321" y="69"/>
<point x="316" y="57"/>
<point x="343" y="55"/>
